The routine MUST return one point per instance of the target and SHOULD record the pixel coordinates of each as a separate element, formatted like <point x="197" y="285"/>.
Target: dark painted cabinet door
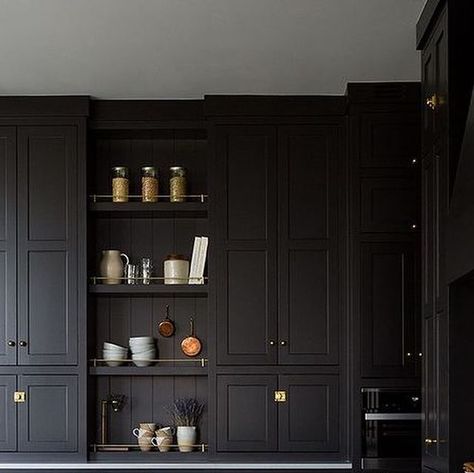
<point x="389" y="140"/>
<point x="246" y="245"/>
<point x="246" y="413"/>
<point x="7" y="245"/>
<point x="389" y="204"/>
<point x="8" y="422"/>
<point x="309" y="167"/>
<point x="389" y="309"/>
<point x="47" y="245"/>
<point x="309" y="421"/>
<point x="48" y="419"/>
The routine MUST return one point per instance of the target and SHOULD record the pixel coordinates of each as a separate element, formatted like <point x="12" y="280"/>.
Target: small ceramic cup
<point x="145" y="435"/>
<point x="163" y="439"/>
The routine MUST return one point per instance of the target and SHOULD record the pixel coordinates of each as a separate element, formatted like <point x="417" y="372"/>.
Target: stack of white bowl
<point x="114" y="353"/>
<point x="143" y="350"/>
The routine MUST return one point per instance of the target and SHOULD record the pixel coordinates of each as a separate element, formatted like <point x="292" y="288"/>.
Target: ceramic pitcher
<point x="112" y="266"/>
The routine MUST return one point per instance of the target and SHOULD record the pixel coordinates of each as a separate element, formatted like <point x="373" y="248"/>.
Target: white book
<point x="194" y="261"/>
<point x="202" y="255"/>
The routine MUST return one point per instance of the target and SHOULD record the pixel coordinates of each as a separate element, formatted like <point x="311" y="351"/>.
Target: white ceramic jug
<point x="112" y="267"/>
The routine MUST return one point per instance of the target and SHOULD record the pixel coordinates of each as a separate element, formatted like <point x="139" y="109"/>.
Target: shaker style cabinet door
<point x="309" y="420"/>
<point x="309" y="167"/>
<point x="245" y="249"/>
<point x="389" y="309"/>
<point x="47" y="245"/>
<point x="7" y="246"/>
<point x="48" y="419"/>
<point x="8" y="422"/>
<point x="246" y="413"/>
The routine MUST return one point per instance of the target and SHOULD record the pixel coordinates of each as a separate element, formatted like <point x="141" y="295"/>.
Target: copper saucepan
<point x="166" y="327"/>
<point x="191" y="346"/>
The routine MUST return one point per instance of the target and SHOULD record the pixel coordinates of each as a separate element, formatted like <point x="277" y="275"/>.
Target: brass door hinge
<point x="280" y="396"/>
<point x="19" y="396"/>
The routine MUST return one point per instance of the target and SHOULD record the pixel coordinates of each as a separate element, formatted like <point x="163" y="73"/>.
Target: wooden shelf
<point x="156" y="370"/>
<point x="155" y="209"/>
<point x="165" y="290"/>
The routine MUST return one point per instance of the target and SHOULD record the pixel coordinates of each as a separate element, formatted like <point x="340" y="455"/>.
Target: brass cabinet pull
<point x="22" y="343"/>
<point x="19" y="396"/>
<point x="280" y="396"/>
<point x="432" y="102"/>
<point x="272" y="343"/>
<point x="409" y="354"/>
<point x="11" y="343"/>
<point x="283" y="343"/>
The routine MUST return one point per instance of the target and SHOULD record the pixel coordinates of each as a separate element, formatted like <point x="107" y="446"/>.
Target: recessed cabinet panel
<point x="246" y="413"/>
<point x="309" y="420"/>
<point x="49" y="153"/>
<point x="7" y="414"/>
<point x="51" y="310"/>
<point x="389" y="140"/>
<point x="247" y="318"/>
<point x="309" y="312"/>
<point x="48" y="419"/>
<point x="307" y="175"/>
<point x="389" y="205"/>
<point x="248" y="154"/>
<point x="389" y="310"/>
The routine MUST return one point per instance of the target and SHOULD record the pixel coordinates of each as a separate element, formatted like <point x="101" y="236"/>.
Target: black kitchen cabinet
<point x="307" y="160"/>
<point x="45" y="420"/>
<point x="247" y="245"/>
<point x="250" y="417"/>
<point x="8" y="245"/>
<point x="39" y="429"/>
<point x="8" y="418"/>
<point x="38" y="230"/>
<point x="390" y="309"/>
<point x="310" y="420"/>
<point x="247" y="413"/>
<point x="310" y="193"/>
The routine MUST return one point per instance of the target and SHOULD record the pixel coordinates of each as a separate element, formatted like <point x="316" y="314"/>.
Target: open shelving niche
<point x="117" y="312"/>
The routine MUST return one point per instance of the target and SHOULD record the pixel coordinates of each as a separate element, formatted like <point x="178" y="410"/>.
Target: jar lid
<point x="175" y="257"/>
<point x="148" y="168"/>
<point x="177" y="168"/>
<point x="119" y="168"/>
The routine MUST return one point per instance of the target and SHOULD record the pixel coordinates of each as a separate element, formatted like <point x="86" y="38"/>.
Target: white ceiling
<point x="187" y="48"/>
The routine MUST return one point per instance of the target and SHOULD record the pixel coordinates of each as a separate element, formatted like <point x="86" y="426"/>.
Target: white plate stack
<point x="143" y="350"/>
<point x="114" y="353"/>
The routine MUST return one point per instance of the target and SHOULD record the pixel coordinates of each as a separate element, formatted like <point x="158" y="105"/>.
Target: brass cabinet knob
<point x="414" y="161"/>
<point x="283" y="343"/>
<point x="429" y="441"/>
<point x="409" y="354"/>
<point x="420" y="354"/>
<point x="11" y="343"/>
<point x="272" y="343"/>
<point x="414" y="226"/>
<point x="22" y="343"/>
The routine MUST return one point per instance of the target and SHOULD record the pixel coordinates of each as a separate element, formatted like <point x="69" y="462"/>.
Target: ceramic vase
<point x="186" y="437"/>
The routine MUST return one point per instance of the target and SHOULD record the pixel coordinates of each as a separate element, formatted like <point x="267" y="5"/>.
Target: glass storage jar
<point x="177" y="184"/>
<point x="120" y="184"/>
<point x="149" y="184"/>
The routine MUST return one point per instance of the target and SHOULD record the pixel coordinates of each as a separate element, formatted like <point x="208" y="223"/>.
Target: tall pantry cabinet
<point x="279" y="188"/>
<point x="41" y="282"/>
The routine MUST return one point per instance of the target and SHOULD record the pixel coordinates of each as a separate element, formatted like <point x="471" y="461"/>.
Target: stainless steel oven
<point x="391" y="429"/>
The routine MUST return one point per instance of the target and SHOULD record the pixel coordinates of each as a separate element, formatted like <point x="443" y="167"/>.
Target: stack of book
<point x="198" y="260"/>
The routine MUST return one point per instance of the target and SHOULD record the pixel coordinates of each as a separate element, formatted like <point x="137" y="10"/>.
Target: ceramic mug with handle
<point x="163" y="439"/>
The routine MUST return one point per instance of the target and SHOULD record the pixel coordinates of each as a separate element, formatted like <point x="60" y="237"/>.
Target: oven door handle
<point x="393" y="416"/>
